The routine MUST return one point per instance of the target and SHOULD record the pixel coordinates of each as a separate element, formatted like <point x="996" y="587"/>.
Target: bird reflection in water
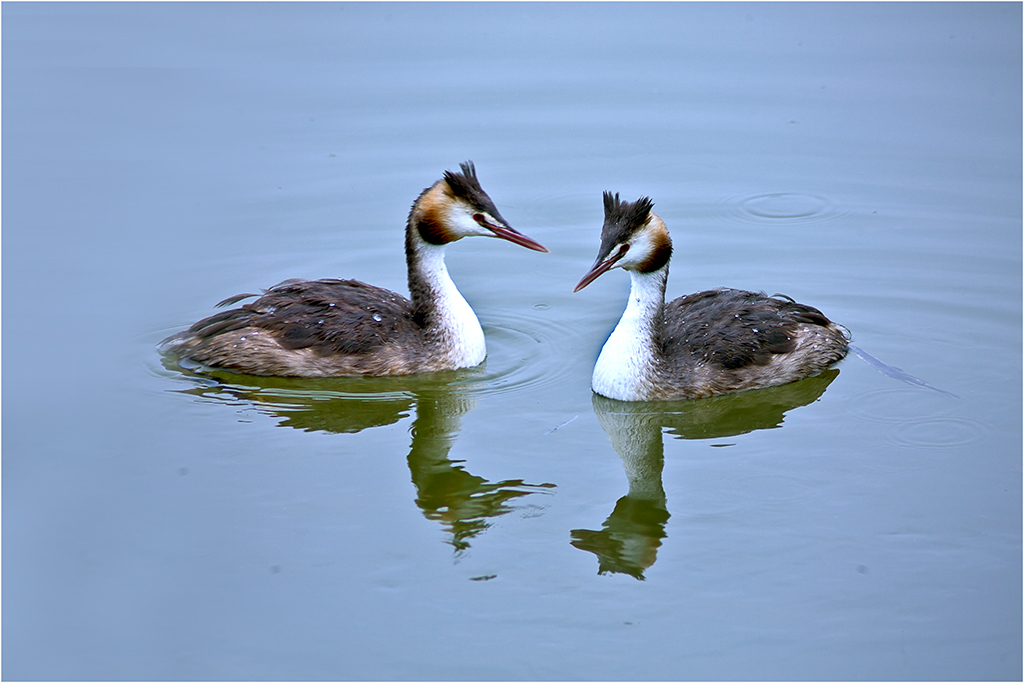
<point x="628" y="541"/>
<point x="447" y="493"/>
<point x="462" y="502"/>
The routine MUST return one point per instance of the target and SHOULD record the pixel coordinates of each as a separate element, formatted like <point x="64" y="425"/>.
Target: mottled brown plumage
<point x="345" y="327"/>
<point x="703" y="344"/>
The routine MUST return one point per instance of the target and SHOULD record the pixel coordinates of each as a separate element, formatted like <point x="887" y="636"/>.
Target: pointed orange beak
<point x="601" y="267"/>
<point x="507" y="233"/>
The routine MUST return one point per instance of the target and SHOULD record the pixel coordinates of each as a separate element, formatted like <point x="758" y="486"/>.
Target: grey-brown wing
<point x="734" y="328"/>
<point x="331" y="316"/>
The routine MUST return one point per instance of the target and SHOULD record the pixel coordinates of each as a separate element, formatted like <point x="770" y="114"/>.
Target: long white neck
<point x="627" y="366"/>
<point x="449" y="321"/>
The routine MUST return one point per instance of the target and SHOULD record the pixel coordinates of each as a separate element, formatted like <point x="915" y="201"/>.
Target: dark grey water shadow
<point x="461" y="502"/>
<point x="896" y="373"/>
<point x="629" y="538"/>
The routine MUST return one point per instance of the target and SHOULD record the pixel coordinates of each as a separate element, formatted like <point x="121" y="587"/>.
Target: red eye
<point x="479" y="218"/>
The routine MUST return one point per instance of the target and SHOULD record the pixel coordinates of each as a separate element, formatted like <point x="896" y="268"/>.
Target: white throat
<point x="627" y="366"/>
<point x="456" y="323"/>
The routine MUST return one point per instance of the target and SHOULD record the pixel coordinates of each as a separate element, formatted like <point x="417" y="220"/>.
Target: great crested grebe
<point x="703" y="344"/>
<point x="324" y="328"/>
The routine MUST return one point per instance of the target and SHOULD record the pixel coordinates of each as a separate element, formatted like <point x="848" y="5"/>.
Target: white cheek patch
<point x="640" y="251"/>
<point x="461" y="222"/>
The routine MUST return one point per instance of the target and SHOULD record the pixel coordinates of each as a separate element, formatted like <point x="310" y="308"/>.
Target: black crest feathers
<point x="626" y="215"/>
<point x="465" y="185"/>
<point x="622" y="219"/>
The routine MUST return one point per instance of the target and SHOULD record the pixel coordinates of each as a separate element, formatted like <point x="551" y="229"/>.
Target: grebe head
<point x="633" y="237"/>
<point x="457" y="206"/>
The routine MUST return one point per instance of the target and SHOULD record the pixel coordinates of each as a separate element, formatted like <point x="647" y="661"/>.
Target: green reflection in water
<point x="628" y="540"/>
<point x="446" y="492"/>
<point x="462" y="502"/>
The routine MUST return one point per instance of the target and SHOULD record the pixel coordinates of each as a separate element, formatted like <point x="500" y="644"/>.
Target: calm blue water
<point x="502" y="523"/>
